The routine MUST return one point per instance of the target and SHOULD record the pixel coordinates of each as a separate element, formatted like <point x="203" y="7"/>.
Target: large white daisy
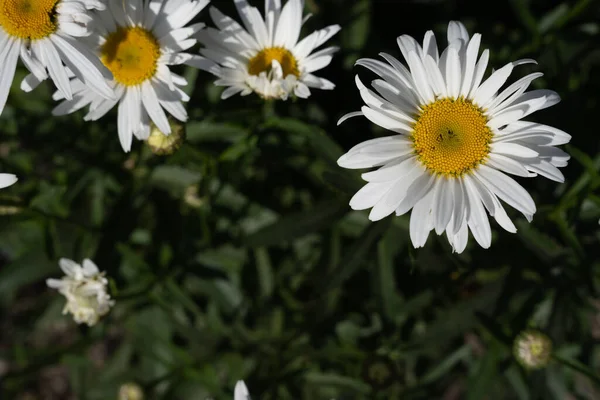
<point x="137" y="40"/>
<point x="458" y="138"/>
<point x="267" y="57"/>
<point x="46" y="34"/>
<point x="7" y="180"/>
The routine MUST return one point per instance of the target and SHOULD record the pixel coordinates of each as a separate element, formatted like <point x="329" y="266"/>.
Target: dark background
<point x="238" y="256"/>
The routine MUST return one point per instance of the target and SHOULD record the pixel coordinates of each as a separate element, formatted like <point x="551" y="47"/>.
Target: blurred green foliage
<point x="238" y="257"/>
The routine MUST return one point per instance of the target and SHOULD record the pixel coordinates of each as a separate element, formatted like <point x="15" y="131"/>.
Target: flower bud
<point x="130" y="391"/>
<point x="162" y="144"/>
<point x="532" y="349"/>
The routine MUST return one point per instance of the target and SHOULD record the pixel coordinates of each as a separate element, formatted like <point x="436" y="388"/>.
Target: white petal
<point x="478" y="220"/>
<point x="7" y="180"/>
<point x="493" y="205"/>
<point x="369" y="195"/>
<point x="443" y="203"/>
<point x="513" y="149"/>
<point x="507" y="189"/>
<point x="69" y="267"/>
<point x="10" y="55"/>
<point x="392" y="199"/>
<point x="416" y="191"/>
<point x="479" y="72"/>
<point x="385" y="121"/>
<point x="155" y="111"/>
<point x="453" y="73"/>
<point x="348" y="116"/>
<point x="420" y="78"/>
<point x="507" y="164"/>
<point x="241" y="391"/>
<point x="421" y="220"/>
<point x="457" y="31"/>
<point x="396" y="168"/>
<point x="488" y="89"/>
<point x="470" y="60"/>
<point x="460" y="206"/>
<point x="437" y="80"/>
<point x="430" y="46"/>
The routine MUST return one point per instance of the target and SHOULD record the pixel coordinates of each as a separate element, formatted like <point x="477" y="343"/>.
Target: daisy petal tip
<point x="376" y="215"/>
<point x="342" y="161"/>
<point x="348" y="116"/>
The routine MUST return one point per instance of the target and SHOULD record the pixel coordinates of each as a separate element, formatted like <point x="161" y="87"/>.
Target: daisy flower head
<point x="137" y="40"/>
<point x="7" y="180"/>
<point x="458" y="138"/>
<point x="85" y="289"/>
<point x="45" y="35"/>
<point x="265" y="56"/>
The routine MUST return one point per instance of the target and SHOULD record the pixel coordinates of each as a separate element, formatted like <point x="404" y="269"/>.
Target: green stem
<point x="577" y="366"/>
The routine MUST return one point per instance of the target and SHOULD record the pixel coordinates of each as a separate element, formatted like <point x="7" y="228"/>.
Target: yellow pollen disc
<point x="28" y="19"/>
<point x="262" y="61"/>
<point x="131" y="54"/>
<point x="451" y="137"/>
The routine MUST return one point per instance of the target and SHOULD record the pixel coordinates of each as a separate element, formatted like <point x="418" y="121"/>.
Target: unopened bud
<point x="532" y="349"/>
<point x="130" y="391"/>
<point x="191" y="197"/>
<point x="162" y="144"/>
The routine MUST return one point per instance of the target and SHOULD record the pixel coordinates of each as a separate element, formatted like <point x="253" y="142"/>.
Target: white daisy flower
<point x="85" y="290"/>
<point x="241" y="391"/>
<point x="457" y="139"/>
<point x="266" y="57"/>
<point x="137" y="41"/>
<point x="7" y="180"/>
<point x="46" y="34"/>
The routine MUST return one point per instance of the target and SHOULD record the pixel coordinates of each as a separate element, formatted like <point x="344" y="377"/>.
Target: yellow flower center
<point x="28" y="19"/>
<point x="262" y="61"/>
<point x="451" y="137"/>
<point x="131" y="54"/>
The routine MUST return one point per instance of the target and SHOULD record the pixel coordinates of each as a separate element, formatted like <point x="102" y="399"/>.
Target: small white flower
<point x="85" y="290"/>
<point x="267" y="56"/>
<point x="46" y="35"/>
<point x="532" y="349"/>
<point x="459" y="136"/>
<point x="137" y="41"/>
<point x="6" y="180"/>
<point x="241" y="391"/>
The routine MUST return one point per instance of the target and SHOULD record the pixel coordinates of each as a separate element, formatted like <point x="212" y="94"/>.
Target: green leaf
<point x="223" y="292"/>
<point x="577" y="366"/>
<point x="357" y="253"/>
<point x="266" y="281"/>
<point x="521" y="8"/>
<point x="206" y="131"/>
<point x="515" y="378"/>
<point x="481" y="383"/>
<point x="384" y="277"/>
<point x="49" y="200"/>
<point x="443" y="368"/>
<point x="338" y="381"/>
<point x="294" y="226"/>
<point x="548" y="21"/>
<point x="317" y="138"/>
<point x="173" y="177"/>
<point x="345" y="181"/>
